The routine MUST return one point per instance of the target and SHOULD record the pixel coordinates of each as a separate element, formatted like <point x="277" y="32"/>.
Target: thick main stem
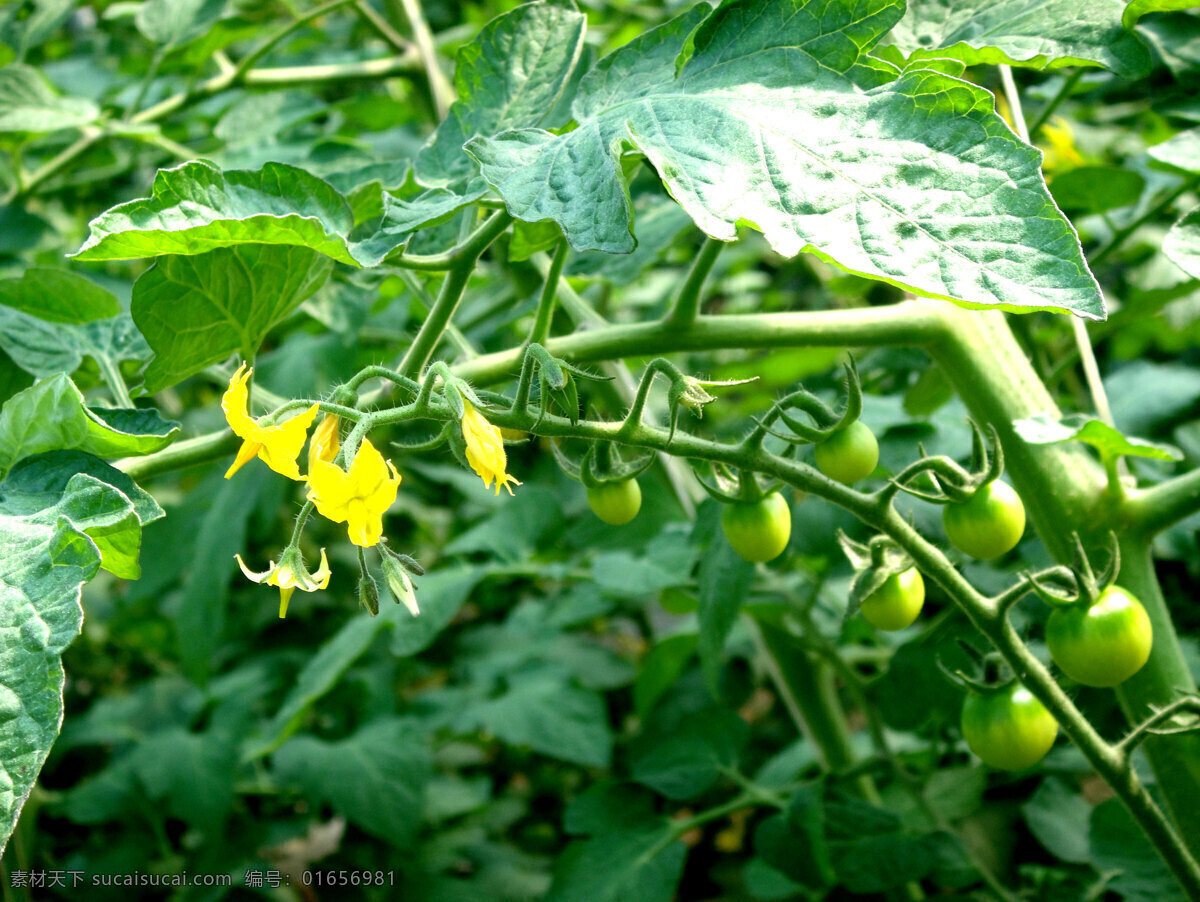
<point x="1063" y="488"/>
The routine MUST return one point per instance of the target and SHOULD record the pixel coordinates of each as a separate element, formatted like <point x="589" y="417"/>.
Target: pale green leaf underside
<point x="1181" y="151"/>
<point x="917" y="182"/>
<point x="29" y="104"/>
<point x="45" y="557"/>
<point x="1182" y="244"/>
<point x="1042" y="34"/>
<point x="198" y="310"/>
<point x="196" y="208"/>
<point x="1107" y="440"/>
<point x="43" y="348"/>
<point x="509" y="76"/>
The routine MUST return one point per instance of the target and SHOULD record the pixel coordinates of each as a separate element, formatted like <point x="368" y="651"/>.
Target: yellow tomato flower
<point x="324" y="442"/>
<point x="1059" y="146"/>
<point x="359" y="497"/>
<point x="289" y="575"/>
<point x="278" y="446"/>
<point x="485" y="449"/>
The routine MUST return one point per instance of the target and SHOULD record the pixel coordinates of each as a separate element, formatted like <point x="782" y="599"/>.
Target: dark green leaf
<point x="375" y="778"/>
<point x="1117" y="844"/>
<point x="794" y="842"/>
<point x="195" y="311"/>
<point x="1058" y="817"/>
<point x="725" y="581"/>
<point x="552" y="718"/>
<point x="688" y="759"/>
<point x="191" y="772"/>
<point x="956" y="209"/>
<point x="57" y="296"/>
<point x="660" y="669"/>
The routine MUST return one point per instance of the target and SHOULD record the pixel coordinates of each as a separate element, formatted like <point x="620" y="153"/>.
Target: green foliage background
<point x="580" y="712"/>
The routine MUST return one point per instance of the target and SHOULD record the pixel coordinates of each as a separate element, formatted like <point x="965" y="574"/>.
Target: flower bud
<point x="400" y="583"/>
<point x="368" y="593"/>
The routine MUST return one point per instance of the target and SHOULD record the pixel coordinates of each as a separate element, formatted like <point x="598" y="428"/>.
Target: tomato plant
<point x="849" y="454"/>
<point x="321" y="320"/>
<point x="987" y="525"/>
<point x="1008" y="728"/>
<point x="1101" y="644"/>
<point x="758" y="530"/>
<point x="616" y="503"/>
<point x="897" y="603"/>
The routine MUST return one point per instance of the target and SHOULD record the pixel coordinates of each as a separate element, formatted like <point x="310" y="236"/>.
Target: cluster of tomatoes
<point x="1100" y="642"/>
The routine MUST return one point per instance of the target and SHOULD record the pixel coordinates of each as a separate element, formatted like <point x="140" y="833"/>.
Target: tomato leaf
<point x="509" y="76"/>
<point x="1182" y="244"/>
<point x="912" y="182"/>
<point x="29" y="104"/>
<point x="1109" y="442"/>
<point x="1041" y="34"/>
<point x="195" y="311"/>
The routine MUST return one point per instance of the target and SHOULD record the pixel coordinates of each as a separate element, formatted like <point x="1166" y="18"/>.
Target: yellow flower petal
<point x="324" y="442"/>
<point x="358" y="497"/>
<point x="278" y="446"/>
<point x="485" y="449"/>
<point x="289" y="575"/>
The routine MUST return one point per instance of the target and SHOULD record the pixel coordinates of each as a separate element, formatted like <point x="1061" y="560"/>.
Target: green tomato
<point x="989" y="524"/>
<point x="849" y="454"/>
<point x="1008" y="729"/>
<point x="896" y="603"/>
<point x="616" y="503"/>
<point x="758" y="531"/>
<point x="1104" y="644"/>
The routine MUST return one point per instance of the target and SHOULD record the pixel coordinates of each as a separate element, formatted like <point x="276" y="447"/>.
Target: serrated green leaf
<point x="794" y="841"/>
<point x="317" y="677"/>
<point x="630" y="856"/>
<point x="57" y="296"/>
<point x="550" y="717"/>
<point x="685" y="761"/>
<point x="658" y="222"/>
<point x="195" y="311"/>
<point x="29" y="104"/>
<point x="1182" y="151"/>
<point x="440" y="595"/>
<point x="1045" y="430"/>
<point x="917" y="182"/>
<point x="375" y="778"/>
<point x="1138" y="8"/>
<point x="1096" y="189"/>
<point x="191" y="774"/>
<point x="509" y="76"/>
<point x="1042" y="34"/>
<point x="197" y="208"/>
<point x="51" y="416"/>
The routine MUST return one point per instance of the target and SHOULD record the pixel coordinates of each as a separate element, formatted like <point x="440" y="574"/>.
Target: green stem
<point x="181" y="455"/>
<point x="247" y="62"/>
<point x="439" y="86"/>
<point x="1153" y="213"/>
<point x="1151" y="511"/>
<point x="431" y="331"/>
<point x="545" y="310"/>
<point x="114" y="380"/>
<point x="1063" y="93"/>
<point x="687" y="303"/>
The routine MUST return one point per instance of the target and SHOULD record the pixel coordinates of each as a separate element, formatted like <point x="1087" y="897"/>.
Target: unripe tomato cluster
<point x="1100" y="644"/>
